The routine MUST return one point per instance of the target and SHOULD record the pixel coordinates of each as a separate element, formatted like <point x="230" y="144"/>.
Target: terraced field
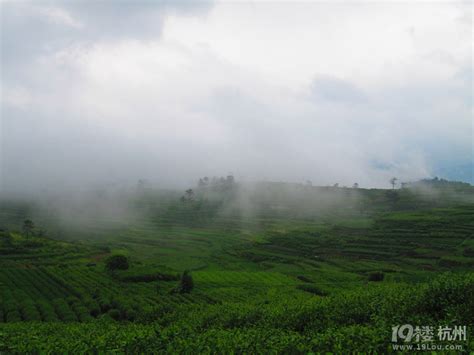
<point x="36" y="294"/>
<point x="291" y="272"/>
<point x="79" y="294"/>
<point x="398" y="242"/>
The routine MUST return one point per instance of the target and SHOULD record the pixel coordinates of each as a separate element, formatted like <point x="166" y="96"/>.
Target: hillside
<point x="275" y="267"/>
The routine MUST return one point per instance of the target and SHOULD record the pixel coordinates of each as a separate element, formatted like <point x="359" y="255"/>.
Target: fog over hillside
<point x="100" y="93"/>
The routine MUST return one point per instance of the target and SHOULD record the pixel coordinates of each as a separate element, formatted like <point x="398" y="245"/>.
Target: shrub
<point x="312" y="289"/>
<point x="117" y="262"/>
<point x="303" y="278"/>
<point x="29" y="311"/>
<point x="186" y="284"/>
<point x="93" y="306"/>
<point x="376" y="276"/>
<point x="150" y="278"/>
<point x="449" y="295"/>
<point x="104" y="304"/>
<point x="468" y="252"/>
<point x="114" y="314"/>
<point x="47" y="311"/>
<point x="64" y="311"/>
<point x="13" y="316"/>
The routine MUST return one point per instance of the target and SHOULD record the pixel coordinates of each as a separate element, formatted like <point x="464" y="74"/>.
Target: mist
<point x="168" y="92"/>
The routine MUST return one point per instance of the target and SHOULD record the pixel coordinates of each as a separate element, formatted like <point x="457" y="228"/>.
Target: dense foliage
<point x="360" y="320"/>
<point x="117" y="262"/>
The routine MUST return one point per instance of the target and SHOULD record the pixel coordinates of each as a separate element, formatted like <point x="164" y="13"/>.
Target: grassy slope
<point x="246" y="268"/>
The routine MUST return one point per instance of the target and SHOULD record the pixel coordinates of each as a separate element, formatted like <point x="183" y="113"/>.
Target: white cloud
<point x="319" y="91"/>
<point x="60" y="16"/>
<point x="368" y="43"/>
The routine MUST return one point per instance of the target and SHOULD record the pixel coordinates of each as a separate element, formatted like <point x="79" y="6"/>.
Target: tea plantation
<point x="287" y="270"/>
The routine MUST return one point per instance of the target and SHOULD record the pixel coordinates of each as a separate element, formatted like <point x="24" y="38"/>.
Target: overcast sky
<point x="114" y="91"/>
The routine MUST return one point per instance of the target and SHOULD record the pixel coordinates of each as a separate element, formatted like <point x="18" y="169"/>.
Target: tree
<point x="203" y="182"/>
<point x="28" y="227"/>
<point x="117" y="262"/>
<point x="336" y="184"/>
<point x="355" y="186"/>
<point x="189" y="194"/>
<point x="186" y="283"/>
<point x="393" y="181"/>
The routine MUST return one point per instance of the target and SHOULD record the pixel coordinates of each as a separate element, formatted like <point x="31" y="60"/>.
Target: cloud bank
<point x="110" y="92"/>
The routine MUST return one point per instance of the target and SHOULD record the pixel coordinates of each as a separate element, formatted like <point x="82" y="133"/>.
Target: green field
<point x="276" y="268"/>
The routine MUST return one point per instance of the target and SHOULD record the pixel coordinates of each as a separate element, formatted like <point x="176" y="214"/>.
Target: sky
<point x="109" y="92"/>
